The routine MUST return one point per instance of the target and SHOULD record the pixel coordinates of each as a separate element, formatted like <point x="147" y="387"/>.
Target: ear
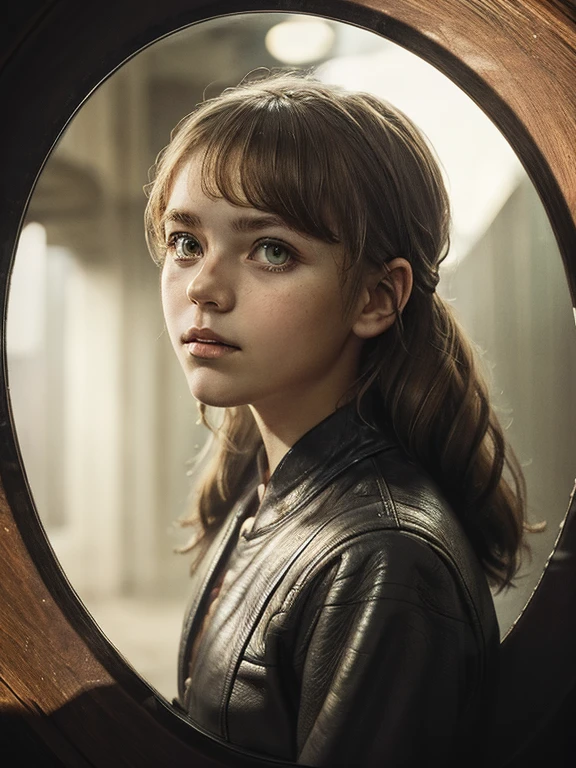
<point x="383" y="298"/>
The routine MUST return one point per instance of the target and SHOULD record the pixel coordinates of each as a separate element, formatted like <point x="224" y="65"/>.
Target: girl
<point x="360" y="496"/>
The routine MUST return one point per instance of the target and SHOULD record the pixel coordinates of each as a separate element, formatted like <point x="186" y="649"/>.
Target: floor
<point x="146" y="632"/>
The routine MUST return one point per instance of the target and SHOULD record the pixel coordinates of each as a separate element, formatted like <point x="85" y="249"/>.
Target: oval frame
<point x="64" y="690"/>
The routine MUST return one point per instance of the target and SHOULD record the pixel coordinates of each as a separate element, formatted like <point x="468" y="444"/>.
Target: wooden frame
<point x="66" y="694"/>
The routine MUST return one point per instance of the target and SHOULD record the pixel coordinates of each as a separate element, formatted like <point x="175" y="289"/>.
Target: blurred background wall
<point x="104" y="420"/>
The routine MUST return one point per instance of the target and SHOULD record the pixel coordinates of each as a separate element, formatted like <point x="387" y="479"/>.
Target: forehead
<point x="186" y="180"/>
<point x="191" y="179"/>
<point x="189" y="203"/>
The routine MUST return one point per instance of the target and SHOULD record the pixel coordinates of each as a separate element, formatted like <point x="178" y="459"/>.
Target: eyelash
<point x="173" y="239"/>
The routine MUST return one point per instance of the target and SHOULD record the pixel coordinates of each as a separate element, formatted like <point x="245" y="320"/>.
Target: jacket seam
<point x="419" y="604"/>
<point x="385" y="495"/>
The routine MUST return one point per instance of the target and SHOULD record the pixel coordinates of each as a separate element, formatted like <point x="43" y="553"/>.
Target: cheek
<point x="298" y="316"/>
<point x="170" y="297"/>
<point x="172" y="309"/>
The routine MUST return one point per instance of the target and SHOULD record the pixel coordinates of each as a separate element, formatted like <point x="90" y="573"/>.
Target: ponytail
<point x="437" y="404"/>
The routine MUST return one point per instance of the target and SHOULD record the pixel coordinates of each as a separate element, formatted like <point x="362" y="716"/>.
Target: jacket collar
<point x="317" y="458"/>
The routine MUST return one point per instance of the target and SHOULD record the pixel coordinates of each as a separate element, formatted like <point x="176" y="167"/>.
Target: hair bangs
<point x="271" y="156"/>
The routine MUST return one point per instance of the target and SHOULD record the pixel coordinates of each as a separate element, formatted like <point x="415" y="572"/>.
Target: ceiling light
<point x="300" y="41"/>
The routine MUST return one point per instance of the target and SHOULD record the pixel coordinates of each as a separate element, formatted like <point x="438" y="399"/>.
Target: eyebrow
<point x="240" y="224"/>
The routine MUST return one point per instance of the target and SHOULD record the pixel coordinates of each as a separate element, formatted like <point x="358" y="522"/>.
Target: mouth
<point x="212" y="343"/>
<point x="206" y="337"/>
<point x="209" y="350"/>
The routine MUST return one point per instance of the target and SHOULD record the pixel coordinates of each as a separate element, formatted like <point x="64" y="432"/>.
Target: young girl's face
<point x="253" y="308"/>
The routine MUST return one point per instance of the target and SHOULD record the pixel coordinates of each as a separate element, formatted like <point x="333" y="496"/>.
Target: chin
<point x="216" y="398"/>
<point x="225" y="390"/>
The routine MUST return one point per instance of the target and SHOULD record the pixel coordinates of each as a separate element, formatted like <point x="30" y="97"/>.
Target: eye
<point x="275" y="255"/>
<point x="185" y="246"/>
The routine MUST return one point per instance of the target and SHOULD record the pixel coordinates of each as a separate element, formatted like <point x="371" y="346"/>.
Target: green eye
<point x="276" y="254"/>
<point x="186" y="246"/>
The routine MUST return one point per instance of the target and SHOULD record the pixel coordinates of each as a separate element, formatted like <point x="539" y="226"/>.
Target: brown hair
<point x="348" y="167"/>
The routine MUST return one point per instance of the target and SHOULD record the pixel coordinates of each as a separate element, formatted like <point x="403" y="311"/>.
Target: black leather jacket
<point x="358" y="628"/>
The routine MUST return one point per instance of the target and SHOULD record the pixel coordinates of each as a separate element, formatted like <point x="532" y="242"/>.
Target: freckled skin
<point x="297" y="353"/>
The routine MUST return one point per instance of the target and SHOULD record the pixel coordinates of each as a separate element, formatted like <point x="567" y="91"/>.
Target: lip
<point x="198" y="335"/>
<point x="209" y="350"/>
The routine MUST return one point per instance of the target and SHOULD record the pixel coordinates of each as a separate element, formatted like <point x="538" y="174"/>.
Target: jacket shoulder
<point x="387" y="510"/>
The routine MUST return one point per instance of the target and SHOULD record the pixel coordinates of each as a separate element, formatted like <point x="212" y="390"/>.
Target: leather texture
<point x="356" y="627"/>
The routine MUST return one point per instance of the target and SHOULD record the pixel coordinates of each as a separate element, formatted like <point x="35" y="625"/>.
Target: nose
<point x="211" y="287"/>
